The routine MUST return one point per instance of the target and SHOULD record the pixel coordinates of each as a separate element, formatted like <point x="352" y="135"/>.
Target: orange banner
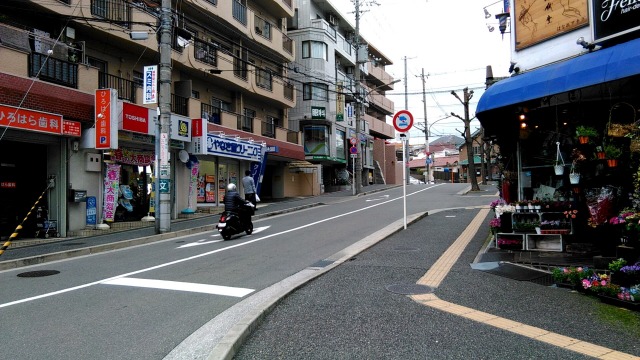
<point x="103" y="118"/>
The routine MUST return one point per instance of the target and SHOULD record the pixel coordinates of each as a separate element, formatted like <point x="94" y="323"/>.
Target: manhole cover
<point x="409" y="289"/>
<point x="73" y="244"/>
<point x="39" y="273"/>
<point x="405" y="248"/>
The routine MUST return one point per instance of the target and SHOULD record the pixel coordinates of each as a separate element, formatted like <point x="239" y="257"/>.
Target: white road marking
<point x="171" y="263"/>
<point x="380" y="198"/>
<point x="450" y="216"/>
<point x="181" y="286"/>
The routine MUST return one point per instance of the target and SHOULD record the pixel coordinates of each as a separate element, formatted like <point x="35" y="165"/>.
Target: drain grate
<point x="39" y="273"/>
<point x="409" y="289"/>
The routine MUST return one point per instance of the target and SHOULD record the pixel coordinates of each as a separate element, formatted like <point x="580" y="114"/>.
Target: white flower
<point x="501" y="209"/>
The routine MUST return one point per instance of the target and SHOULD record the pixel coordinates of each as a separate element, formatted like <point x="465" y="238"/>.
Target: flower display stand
<point x="510" y="241"/>
<point x="544" y="242"/>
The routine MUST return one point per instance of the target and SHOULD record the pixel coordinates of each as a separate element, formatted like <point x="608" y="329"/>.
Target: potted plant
<point x="585" y="132"/>
<point x="600" y="153"/>
<point x="558" y="166"/>
<point x="612" y="153"/>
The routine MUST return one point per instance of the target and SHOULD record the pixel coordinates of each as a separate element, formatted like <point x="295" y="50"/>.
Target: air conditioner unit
<point x="333" y="20"/>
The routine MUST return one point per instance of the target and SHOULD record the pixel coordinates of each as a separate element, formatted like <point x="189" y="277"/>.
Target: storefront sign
<point x="237" y="149"/>
<point x="111" y="187"/>
<point x="8" y="185"/>
<point x="91" y="210"/>
<point x="165" y="184"/>
<point x="318" y="113"/>
<point x="135" y="118"/>
<point x="106" y="101"/>
<point x="132" y="157"/>
<point x="537" y="21"/>
<point x="180" y="128"/>
<point x="71" y="128"/>
<point x="149" y="88"/>
<point x="614" y="18"/>
<point x="38" y="121"/>
<point x="339" y="102"/>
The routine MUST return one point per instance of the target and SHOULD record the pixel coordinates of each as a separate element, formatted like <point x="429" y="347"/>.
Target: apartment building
<point x="76" y="127"/>
<point x="324" y="72"/>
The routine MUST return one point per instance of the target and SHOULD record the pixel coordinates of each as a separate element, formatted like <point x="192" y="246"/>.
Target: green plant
<point x="616" y="265"/>
<point x="612" y="152"/>
<point x="586" y="131"/>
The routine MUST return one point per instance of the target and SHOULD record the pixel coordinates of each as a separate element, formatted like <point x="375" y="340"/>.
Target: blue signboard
<point x="91" y="210"/>
<point x="237" y="149"/>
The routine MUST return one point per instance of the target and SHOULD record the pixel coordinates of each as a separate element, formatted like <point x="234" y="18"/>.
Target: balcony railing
<point x="240" y="12"/>
<point x="126" y="88"/>
<point x="264" y="79"/>
<point x="179" y="105"/>
<point x="268" y="129"/>
<point x="210" y="113"/>
<point x="205" y="52"/>
<point x="53" y="70"/>
<point x="117" y="11"/>
<point x="245" y="123"/>
<point x="287" y="44"/>
<point x="263" y="27"/>
<point x="240" y="68"/>
<point x="288" y="3"/>
<point x="288" y="91"/>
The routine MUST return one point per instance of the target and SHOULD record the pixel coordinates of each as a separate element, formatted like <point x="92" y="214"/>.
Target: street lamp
<point x="357" y="171"/>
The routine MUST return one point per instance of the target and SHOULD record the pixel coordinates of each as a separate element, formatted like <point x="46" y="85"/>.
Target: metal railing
<point x="53" y="70"/>
<point x="288" y="91"/>
<point x="287" y="44"/>
<point x="210" y="113"/>
<point x="179" y="105"/>
<point x="205" y="52"/>
<point x="268" y="129"/>
<point x="263" y="27"/>
<point x="126" y="88"/>
<point x="240" y="12"/>
<point x="118" y="11"/>
<point x="245" y="123"/>
<point x="264" y="79"/>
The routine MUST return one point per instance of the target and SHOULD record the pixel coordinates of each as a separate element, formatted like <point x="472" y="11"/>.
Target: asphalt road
<point x="142" y="302"/>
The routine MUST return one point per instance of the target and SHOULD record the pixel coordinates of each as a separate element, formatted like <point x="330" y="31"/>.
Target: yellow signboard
<point x="539" y="20"/>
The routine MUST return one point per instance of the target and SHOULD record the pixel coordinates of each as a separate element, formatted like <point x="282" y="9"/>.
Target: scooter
<point x="232" y="223"/>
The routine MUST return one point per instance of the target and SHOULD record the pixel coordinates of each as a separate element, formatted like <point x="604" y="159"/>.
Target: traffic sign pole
<point x="403" y="121"/>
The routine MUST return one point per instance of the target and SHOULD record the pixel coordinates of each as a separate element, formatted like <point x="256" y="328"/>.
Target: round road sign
<point x="353" y="140"/>
<point x="403" y="121"/>
<point x="353" y="150"/>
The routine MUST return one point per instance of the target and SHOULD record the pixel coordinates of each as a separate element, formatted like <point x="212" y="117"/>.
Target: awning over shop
<point x="589" y="69"/>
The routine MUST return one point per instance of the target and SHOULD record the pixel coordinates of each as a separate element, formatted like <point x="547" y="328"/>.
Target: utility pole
<point x="357" y="170"/>
<point x="163" y="128"/>
<point x="427" y="178"/>
<point x="468" y="95"/>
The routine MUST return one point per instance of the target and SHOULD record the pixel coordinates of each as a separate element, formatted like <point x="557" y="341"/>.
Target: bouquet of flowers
<point x="630" y="294"/>
<point x="494" y="224"/>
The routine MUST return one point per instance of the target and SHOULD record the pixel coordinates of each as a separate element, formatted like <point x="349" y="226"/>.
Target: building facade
<point x="324" y="70"/>
<point x="76" y="125"/>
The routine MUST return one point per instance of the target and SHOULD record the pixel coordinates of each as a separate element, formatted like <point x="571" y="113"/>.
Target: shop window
<point x="340" y="144"/>
<point x="316" y="140"/>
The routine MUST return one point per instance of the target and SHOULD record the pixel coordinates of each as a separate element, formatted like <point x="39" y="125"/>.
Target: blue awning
<point x="613" y="63"/>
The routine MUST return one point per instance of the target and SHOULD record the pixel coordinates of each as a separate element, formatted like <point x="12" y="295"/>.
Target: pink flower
<point x="603" y="282"/>
<point x="586" y="283"/>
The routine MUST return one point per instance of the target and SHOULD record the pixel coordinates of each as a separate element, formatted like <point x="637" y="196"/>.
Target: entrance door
<point x="23" y="178"/>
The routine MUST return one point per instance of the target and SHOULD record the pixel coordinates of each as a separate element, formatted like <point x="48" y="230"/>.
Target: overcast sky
<point x="450" y="40"/>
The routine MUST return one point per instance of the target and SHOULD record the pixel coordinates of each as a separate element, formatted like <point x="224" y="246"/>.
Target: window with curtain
<point x="315" y="50"/>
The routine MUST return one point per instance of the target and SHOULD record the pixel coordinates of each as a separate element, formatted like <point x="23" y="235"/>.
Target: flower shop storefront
<point x="570" y="154"/>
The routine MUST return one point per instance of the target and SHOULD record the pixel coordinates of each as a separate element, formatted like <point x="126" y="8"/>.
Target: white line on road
<point x="204" y="242"/>
<point x="179" y="261"/>
<point x="181" y="286"/>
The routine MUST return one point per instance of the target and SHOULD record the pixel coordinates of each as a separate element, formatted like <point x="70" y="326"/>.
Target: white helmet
<point x="231" y="187"/>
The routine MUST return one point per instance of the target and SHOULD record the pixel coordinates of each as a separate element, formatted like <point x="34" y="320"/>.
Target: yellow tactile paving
<point x="436" y="274"/>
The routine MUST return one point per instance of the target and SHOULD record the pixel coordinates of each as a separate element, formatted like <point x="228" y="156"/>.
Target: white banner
<point x="150" y="87"/>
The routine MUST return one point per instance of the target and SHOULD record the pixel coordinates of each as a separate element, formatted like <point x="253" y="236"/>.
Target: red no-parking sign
<point x="403" y="121"/>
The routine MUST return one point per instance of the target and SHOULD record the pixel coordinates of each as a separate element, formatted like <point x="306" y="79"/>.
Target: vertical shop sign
<point x="193" y="184"/>
<point x="152" y="197"/>
<point x="111" y="186"/>
<point x="339" y="102"/>
<point x="91" y="210"/>
<point x="149" y="88"/>
<point x="105" y="119"/>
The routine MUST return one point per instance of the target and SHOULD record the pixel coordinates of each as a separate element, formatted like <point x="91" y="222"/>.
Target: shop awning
<point x="589" y="69"/>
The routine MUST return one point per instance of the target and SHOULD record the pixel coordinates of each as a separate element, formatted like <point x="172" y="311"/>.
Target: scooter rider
<point x="235" y="203"/>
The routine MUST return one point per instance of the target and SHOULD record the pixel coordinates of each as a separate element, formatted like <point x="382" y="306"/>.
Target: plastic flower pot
<point x="559" y="169"/>
<point x="574" y="178"/>
<point x="612" y="162"/>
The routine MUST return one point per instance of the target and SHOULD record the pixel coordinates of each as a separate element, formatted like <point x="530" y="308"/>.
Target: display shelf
<point x="525" y="222"/>
<point x="544" y="242"/>
<point x="510" y="241"/>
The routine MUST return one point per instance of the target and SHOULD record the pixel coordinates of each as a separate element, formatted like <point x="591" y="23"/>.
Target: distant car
<point x="413" y="180"/>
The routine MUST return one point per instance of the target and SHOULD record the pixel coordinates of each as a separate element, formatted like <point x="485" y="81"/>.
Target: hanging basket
<point x="621" y="129"/>
<point x="634" y="146"/>
<point x="559" y="169"/>
<point x="574" y="178"/>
